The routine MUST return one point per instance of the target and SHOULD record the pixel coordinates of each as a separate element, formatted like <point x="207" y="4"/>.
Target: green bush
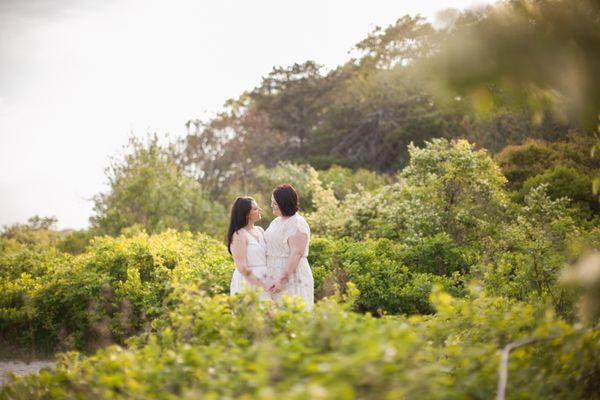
<point x="440" y="255"/>
<point x="23" y="271"/>
<point x="35" y="262"/>
<point x="324" y="266"/>
<point x="447" y="188"/>
<point x="65" y="309"/>
<point x="562" y="182"/>
<point x="525" y="260"/>
<point x="75" y="242"/>
<point x="37" y="233"/>
<point x="113" y="290"/>
<point x="567" y="182"/>
<point x="223" y="347"/>
<point x="344" y="181"/>
<point x="386" y="284"/>
<point x="533" y="157"/>
<point x="148" y="188"/>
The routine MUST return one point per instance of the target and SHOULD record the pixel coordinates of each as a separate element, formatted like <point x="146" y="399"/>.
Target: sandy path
<point x="21" y="368"/>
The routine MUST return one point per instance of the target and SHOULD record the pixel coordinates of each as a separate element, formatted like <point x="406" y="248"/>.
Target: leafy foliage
<point x="534" y="157"/>
<point x="344" y="181"/>
<point x="106" y="294"/>
<point x="531" y="252"/>
<point x="565" y="182"/>
<point x="239" y="347"/>
<point x="534" y="54"/>
<point x="37" y="232"/>
<point x="376" y="267"/>
<point x="147" y="188"/>
<point x="447" y="187"/>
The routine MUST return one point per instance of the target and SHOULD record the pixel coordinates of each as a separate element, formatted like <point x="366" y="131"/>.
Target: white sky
<point x="78" y="77"/>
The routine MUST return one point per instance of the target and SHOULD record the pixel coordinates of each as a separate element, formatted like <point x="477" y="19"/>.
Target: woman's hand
<point x="279" y="286"/>
<point x="297" y="244"/>
<point x="263" y="285"/>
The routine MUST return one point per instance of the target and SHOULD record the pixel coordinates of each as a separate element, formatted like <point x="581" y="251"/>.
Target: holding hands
<point x="275" y="261"/>
<point x="279" y="286"/>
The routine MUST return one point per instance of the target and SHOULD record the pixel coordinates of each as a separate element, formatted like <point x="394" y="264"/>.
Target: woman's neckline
<point x="251" y="234"/>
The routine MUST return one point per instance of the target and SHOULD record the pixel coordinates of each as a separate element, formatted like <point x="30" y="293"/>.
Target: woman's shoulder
<point x="300" y="223"/>
<point x="300" y="218"/>
<point x="240" y="233"/>
<point x="239" y="237"/>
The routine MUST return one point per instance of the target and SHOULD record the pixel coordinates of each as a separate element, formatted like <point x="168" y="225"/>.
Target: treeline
<point x="362" y="114"/>
<point x="406" y="83"/>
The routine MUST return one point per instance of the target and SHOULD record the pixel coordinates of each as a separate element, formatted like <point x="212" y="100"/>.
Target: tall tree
<point x="294" y="100"/>
<point x="147" y="188"/>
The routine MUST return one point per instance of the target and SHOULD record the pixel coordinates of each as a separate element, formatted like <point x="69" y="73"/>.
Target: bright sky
<point x="77" y="78"/>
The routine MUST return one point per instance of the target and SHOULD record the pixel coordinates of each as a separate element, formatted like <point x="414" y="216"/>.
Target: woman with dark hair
<point x="246" y="243"/>
<point x="288" y="237"/>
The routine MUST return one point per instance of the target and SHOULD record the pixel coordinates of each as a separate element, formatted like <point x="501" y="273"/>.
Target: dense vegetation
<point x="218" y="347"/>
<point x="53" y="300"/>
<point x="445" y="228"/>
<point x="421" y="282"/>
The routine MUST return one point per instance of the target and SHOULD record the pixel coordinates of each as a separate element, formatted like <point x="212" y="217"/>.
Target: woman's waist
<point x="281" y="262"/>
<point x="280" y="256"/>
<point x="261" y="265"/>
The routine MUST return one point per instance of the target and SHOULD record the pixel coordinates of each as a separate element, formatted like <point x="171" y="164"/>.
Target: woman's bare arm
<point x="297" y="243"/>
<point x="239" y="246"/>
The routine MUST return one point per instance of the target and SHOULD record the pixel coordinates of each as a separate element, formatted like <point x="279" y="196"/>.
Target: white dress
<point x="301" y="282"/>
<point x="257" y="262"/>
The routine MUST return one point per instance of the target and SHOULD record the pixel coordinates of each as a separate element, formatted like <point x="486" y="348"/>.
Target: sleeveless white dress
<point x="301" y="282"/>
<point x="257" y="262"/>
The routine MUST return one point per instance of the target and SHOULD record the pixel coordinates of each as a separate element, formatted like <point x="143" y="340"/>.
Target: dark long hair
<point x="240" y="210"/>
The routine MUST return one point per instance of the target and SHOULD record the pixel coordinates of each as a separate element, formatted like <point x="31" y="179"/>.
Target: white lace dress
<point x="301" y="282"/>
<point x="257" y="262"/>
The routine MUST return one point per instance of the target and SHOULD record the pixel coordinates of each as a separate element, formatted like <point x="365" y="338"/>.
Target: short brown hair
<point x="286" y="198"/>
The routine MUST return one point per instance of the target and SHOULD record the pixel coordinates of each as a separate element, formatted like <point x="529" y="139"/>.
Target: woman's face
<point x="254" y="213"/>
<point x="275" y="207"/>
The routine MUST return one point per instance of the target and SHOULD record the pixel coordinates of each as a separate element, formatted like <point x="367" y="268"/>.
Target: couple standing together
<point x="273" y="260"/>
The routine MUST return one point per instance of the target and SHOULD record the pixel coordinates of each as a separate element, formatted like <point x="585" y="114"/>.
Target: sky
<point x="78" y="78"/>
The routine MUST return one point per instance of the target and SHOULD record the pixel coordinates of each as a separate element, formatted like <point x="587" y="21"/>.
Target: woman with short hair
<point x="288" y="238"/>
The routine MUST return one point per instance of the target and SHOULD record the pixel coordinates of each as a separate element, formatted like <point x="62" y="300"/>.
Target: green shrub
<point x="524" y="262"/>
<point x="440" y="255"/>
<point x="23" y="273"/>
<point x="562" y="182"/>
<point x="566" y="182"/>
<point x="386" y="284"/>
<point x="38" y="232"/>
<point x="76" y="241"/>
<point x="113" y="290"/>
<point x="150" y="189"/>
<point x="447" y="188"/>
<point x="223" y="347"/>
<point x="344" y="181"/>
<point x="324" y="266"/>
<point x="533" y="157"/>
